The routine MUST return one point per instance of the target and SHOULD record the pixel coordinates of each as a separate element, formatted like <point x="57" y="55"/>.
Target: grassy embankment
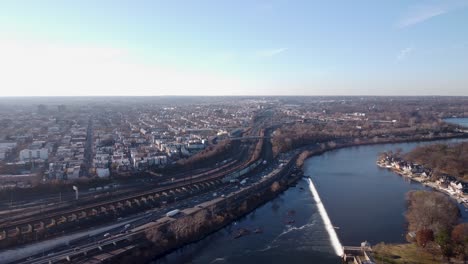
<point x="404" y="253"/>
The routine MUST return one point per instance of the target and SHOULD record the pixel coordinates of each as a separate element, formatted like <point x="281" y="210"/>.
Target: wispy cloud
<point x="266" y="53"/>
<point x="404" y="53"/>
<point x="419" y="13"/>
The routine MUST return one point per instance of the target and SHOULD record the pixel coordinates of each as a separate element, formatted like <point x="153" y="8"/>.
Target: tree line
<point x="433" y="220"/>
<point x="449" y="159"/>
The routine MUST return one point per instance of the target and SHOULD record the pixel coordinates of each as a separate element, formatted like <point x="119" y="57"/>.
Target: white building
<point x="102" y="172"/>
<point x="33" y="154"/>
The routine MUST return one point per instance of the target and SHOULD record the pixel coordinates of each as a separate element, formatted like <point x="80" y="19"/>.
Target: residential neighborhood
<point x="451" y="185"/>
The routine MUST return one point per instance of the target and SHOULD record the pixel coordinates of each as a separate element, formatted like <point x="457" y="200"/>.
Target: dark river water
<point x="363" y="201"/>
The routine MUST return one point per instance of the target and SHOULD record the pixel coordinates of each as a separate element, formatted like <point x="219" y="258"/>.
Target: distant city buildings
<point x="69" y="139"/>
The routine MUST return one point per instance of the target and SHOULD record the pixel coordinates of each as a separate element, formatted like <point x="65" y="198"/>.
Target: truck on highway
<point x="172" y="213"/>
<point x="244" y="181"/>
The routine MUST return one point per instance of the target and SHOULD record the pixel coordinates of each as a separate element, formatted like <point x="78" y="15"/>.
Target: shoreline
<point x="146" y="252"/>
<point x="425" y="182"/>
<point x="367" y="142"/>
<point x="144" y="249"/>
<point x="311" y="150"/>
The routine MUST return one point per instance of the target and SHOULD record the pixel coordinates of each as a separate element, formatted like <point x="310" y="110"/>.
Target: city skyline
<point x="123" y="48"/>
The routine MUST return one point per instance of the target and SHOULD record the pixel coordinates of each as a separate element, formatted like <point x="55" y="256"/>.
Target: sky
<point x="242" y="47"/>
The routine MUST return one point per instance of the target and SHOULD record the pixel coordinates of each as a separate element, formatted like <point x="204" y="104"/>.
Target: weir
<point x="326" y="220"/>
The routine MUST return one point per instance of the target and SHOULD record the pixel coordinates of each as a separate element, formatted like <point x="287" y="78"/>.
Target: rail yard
<point x="125" y="212"/>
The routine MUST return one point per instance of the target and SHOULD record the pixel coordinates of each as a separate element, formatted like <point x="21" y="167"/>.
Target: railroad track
<point x="203" y="180"/>
<point x="173" y="186"/>
<point x="47" y="212"/>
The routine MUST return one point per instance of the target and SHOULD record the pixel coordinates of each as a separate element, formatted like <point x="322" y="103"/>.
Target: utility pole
<point x="76" y="192"/>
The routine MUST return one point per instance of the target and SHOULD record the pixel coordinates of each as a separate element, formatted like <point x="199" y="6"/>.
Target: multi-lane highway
<point x="181" y="192"/>
<point x="81" y="248"/>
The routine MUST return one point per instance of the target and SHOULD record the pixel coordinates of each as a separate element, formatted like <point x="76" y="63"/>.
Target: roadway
<point x="117" y="232"/>
<point x="121" y="232"/>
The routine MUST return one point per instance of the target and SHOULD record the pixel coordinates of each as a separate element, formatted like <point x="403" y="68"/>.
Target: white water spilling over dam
<point x="326" y="220"/>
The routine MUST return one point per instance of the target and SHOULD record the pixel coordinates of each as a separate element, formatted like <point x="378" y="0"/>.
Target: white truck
<point x="172" y="213"/>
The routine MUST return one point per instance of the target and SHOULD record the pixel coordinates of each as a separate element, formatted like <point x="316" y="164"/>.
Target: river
<point x="458" y="121"/>
<point x="363" y="201"/>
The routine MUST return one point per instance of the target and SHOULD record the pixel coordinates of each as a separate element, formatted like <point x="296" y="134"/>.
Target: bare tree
<point x="431" y="210"/>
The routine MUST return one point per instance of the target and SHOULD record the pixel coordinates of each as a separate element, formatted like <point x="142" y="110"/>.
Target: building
<point x="34" y="154"/>
<point x="5" y="148"/>
<point x="102" y="172"/>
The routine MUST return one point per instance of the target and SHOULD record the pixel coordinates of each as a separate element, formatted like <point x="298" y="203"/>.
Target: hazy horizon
<point x="243" y="48"/>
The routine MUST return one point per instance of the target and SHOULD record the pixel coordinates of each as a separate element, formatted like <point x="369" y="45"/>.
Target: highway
<point x="168" y="186"/>
<point x="121" y="230"/>
<point x="82" y="246"/>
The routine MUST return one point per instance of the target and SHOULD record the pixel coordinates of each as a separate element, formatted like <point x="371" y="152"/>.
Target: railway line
<point x="30" y="228"/>
<point x="51" y="205"/>
<point x="99" y="249"/>
<point x="24" y="227"/>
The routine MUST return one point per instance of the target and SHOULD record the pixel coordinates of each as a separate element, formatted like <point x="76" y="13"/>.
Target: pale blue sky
<point x="361" y="47"/>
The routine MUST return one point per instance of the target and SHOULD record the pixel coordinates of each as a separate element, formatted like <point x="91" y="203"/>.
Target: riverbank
<point x="314" y="150"/>
<point x="322" y="147"/>
<point x="423" y="178"/>
<point x="404" y="253"/>
<point x="157" y="240"/>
